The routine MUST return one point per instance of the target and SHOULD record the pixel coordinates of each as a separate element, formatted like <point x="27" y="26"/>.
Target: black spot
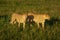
<point x="30" y="18"/>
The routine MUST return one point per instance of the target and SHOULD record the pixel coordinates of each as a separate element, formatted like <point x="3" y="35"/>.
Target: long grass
<point x="13" y="32"/>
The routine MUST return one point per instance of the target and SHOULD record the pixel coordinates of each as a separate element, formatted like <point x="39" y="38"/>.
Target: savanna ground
<point x="13" y="32"/>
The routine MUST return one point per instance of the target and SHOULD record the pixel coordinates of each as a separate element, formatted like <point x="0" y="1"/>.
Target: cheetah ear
<point x="45" y="15"/>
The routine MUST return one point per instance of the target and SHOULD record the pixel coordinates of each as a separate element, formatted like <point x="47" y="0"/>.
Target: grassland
<point x="13" y="32"/>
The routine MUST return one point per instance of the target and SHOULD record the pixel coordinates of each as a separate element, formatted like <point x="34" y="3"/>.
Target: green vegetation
<point x="13" y="32"/>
